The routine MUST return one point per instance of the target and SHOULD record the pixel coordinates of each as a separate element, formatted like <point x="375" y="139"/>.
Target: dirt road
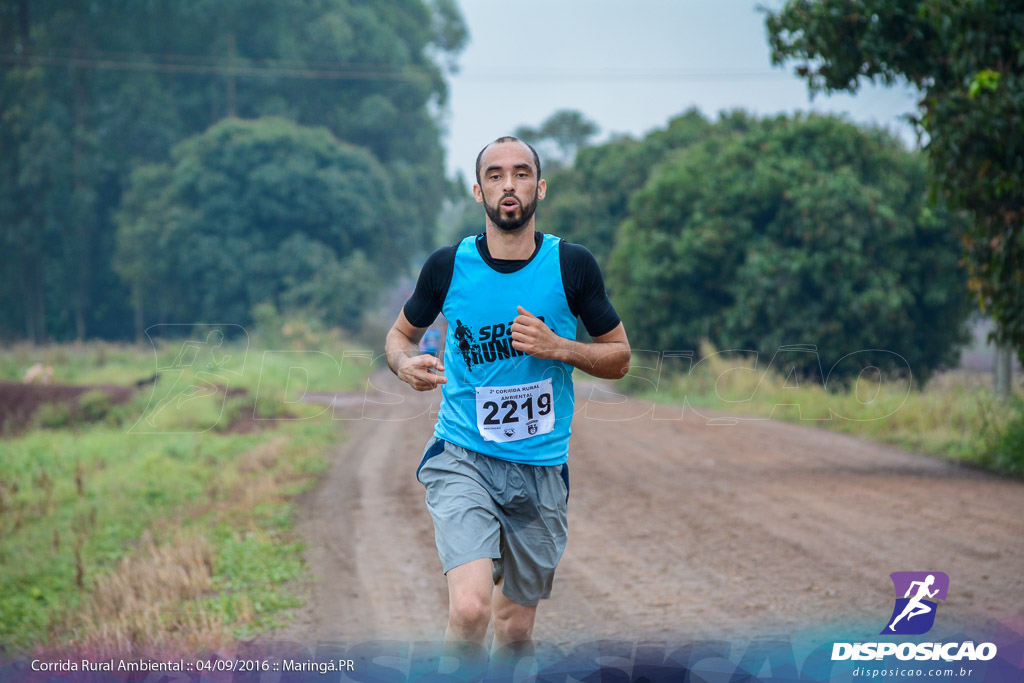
<point x="678" y="529"/>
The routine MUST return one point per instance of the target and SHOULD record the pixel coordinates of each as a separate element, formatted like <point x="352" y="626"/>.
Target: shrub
<point x="53" y="415"/>
<point x="1006" y="450"/>
<point x="93" y="406"/>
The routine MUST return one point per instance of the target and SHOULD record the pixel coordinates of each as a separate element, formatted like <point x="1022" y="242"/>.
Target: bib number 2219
<point x="517" y="412"/>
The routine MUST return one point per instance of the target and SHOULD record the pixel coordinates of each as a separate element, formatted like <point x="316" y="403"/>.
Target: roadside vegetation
<point x="120" y="536"/>
<point x="956" y="415"/>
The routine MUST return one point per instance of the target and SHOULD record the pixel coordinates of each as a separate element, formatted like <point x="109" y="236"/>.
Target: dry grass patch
<point x="263" y="457"/>
<point x="153" y="602"/>
<point x="143" y="606"/>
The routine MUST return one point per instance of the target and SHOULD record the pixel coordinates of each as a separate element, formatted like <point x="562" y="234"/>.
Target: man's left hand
<point x="531" y="335"/>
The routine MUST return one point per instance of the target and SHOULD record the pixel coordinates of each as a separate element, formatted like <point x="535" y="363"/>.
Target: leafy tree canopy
<point x="587" y="201"/>
<point x="559" y="137"/>
<point x="259" y="211"/>
<point x="966" y="57"/>
<point x="793" y="231"/>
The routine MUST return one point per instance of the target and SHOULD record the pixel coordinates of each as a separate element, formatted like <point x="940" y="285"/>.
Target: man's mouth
<point x="509" y="203"/>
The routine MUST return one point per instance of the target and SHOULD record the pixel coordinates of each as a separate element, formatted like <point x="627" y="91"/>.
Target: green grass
<point x="128" y="483"/>
<point x="252" y="568"/>
<point x="956" y="416"/>
<point x="1005" y="451"/>
<point x="77" y="500"/>
<point x="93" y="363"/>
<point x="327" y="364"/>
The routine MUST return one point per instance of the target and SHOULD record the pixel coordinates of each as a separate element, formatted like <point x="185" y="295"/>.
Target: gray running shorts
<point x="514" y="514"/>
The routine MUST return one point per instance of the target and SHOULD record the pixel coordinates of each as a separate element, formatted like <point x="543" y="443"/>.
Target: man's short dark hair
<point x="507" y="138"/>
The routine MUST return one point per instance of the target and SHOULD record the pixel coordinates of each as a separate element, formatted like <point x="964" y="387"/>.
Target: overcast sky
<point x="629" y="67"/>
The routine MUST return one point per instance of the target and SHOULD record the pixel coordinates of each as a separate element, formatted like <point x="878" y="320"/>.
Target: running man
<point x="495" y="470"/>
<point x="915" y="607"/>
<point x="464" y="336"/>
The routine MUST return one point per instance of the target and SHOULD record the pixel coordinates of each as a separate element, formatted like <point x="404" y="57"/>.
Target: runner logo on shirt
<point x="492" y="343"/>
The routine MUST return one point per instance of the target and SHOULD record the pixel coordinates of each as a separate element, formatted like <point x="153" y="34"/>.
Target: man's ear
<point x="478" y="194"/>
<point x="542" y="189"/>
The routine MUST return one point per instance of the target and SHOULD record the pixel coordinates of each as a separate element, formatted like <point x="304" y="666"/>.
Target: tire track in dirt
<point x="678" y="530"/>
<point x="369" y="539"/>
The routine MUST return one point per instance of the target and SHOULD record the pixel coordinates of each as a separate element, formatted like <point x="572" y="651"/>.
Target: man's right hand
<point x="422" y="373"/>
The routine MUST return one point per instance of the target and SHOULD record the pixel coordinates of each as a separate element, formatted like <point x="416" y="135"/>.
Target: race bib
<point x="513" y="413"/>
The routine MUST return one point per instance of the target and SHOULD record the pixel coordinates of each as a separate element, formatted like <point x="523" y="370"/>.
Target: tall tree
<point x="794" y="231"/>
<point x="966" y="57"/>
<point x="71" y="130"/>
<point x="560" y="136"/>
<point x="90" y="91"/>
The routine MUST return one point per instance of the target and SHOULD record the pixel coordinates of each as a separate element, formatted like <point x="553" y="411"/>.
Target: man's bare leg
<point x="469" y="604"/>
<point x="513" y="625"/>
<point x="472" y="597"/>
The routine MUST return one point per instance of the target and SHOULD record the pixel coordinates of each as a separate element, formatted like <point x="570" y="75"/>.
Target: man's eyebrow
<point x="496" y="167"/>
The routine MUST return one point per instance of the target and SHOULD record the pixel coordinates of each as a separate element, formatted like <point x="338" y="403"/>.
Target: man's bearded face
<point x="511" y="213"/>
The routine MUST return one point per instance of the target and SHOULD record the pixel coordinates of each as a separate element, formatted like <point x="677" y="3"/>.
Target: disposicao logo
<point x="914" y="612"/>
<point x="912" y="615"/>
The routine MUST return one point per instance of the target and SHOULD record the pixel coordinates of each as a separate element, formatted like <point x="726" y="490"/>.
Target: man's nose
<point x="509" y="185"/>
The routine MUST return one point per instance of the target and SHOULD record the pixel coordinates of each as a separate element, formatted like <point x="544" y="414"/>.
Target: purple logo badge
<point x="916" y="595"/>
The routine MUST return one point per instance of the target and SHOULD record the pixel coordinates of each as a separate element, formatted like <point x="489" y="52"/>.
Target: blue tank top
<point x="499" y="401"/>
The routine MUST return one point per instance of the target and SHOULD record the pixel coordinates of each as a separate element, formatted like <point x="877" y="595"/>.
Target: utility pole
<point x="232" y="53"/>
<point x="1004" y="371"/>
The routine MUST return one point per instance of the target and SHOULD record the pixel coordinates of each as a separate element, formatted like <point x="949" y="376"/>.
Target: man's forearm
<point x="606" y="360"/>
<point x="397" y="347"/>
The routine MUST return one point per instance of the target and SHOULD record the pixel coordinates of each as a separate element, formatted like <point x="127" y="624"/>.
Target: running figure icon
<point x="916" y="607"/>
<point x="464" y="335"/>
<point x="917" y="594"/>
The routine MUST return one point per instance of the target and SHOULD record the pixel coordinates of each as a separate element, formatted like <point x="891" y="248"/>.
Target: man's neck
<point x="511" y="246"/>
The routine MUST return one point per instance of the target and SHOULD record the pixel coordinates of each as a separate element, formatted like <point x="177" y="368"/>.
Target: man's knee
<point x="470" y="611"/>
<point x="515" y="625"/>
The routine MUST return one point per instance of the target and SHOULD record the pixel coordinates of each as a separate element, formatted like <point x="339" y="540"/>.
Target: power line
<point x="609" y="76"/>
<point x="184" y="64"/>
<point x="222" y="69"/>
